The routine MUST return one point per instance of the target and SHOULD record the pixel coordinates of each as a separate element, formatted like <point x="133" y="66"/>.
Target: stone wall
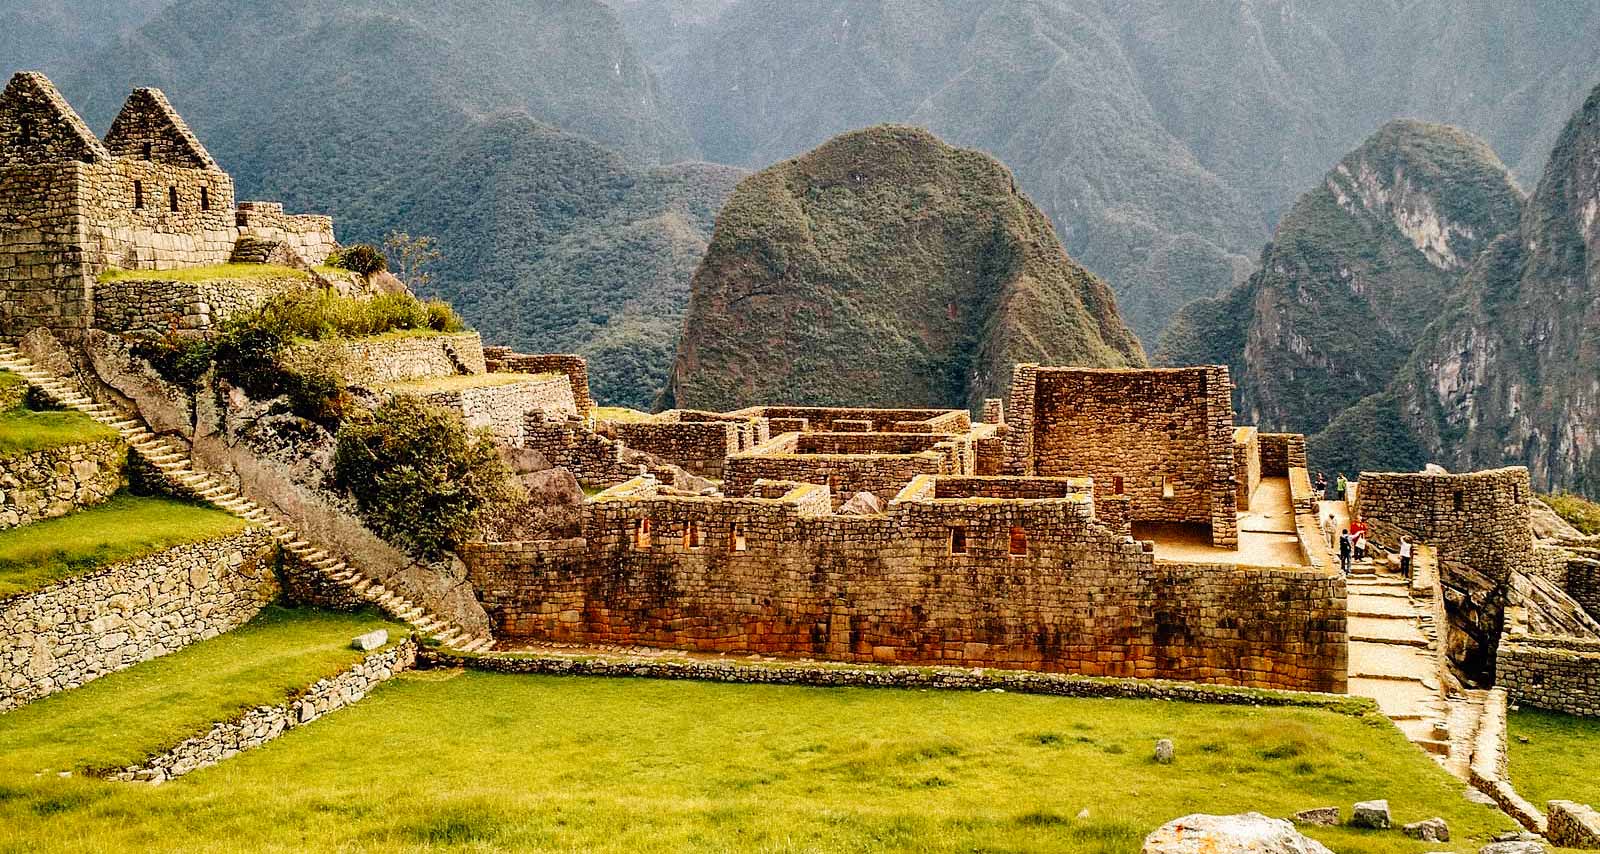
<point x="386" y="359"/>
<point x="1246" y="464"/>
<point x="883" y="471"/>
<point x="153" y="308"/>
<point x="504" y="408"/>
<point x="1573" y="825"/>
<point x="499" y="359"/>
<point x="56" y="481"/>
<point x="1582" y="583"/>
<point x="825" y="418"/>
<point x="698" y="446"/>
<point x="1560" y="674"/>
<point x="1032" y="584"/>
<point x="1165" y="436"/>
<point x="309" y="236"/>
<point x="44" y="280"/>
<point x="265" y="723"/>
<point x="1481" y="519"/>
<point x="82" y="628"/>
<point x="1281" y="452"/>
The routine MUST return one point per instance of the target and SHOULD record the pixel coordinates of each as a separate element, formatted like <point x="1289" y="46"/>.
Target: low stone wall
<point x="82" y="628"/>
<point x="700" y="447"/>
<point x="883" y="475"/>
<point x="1582" y="583"/>
<point x="262" y="724"/>
<point x="56" y="481"/>
<point x="498" y="359"/>
<point x="1560" y="674"/>
<point x="1572" y="825"/>
<point x="1281" y="452"/>
<point x="1481" y="519"/>
<point x="828" y="675"/>
<point x="309" y="235"/>
<point x="504" y="408"/>
<point x="383" y="360"/>
<point x="153" y="308"/>
<point x="1246" y="463"/>
<point x="1487" y="772"/>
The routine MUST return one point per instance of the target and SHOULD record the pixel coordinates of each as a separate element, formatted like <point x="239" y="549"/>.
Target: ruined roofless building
<point x="147" y="197"/>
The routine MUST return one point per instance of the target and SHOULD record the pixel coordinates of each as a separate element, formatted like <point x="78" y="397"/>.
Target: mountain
<point x="886" y="267"/>
<point x="46" y="33"/>
<point x="1163" y="137"/>
<point x="1357" y="269"/>
<point x="1509" y="373"/>
<point x="559" y="244"/>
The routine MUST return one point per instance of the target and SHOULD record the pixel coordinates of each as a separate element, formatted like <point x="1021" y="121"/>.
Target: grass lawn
<point x="125" y="527"/>
<point x="1558" y="760"/>
<point x="451" y="760"/>
<point x="120" y="719"/>
<point x="620" y="413"/>
<point x="457" y="382"/>
<point x="201" y="274"/>
<point x="1579" y="512"/>
<point x="23" y="431"/>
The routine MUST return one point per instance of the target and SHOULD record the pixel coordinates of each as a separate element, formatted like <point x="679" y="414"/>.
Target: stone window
<point x="641" y="533"/>
<point x="172" y="198"/>
<point x="144" y="151"/>
<point x="1019" y="542"/>
<point x="958" y="540"/>
<point x="1459" y="501"/>
<point x="1116" y="484"/>
<point x="205" y="199"/>
<point x="739" y="542"/>
<point x="25" y="131"/>
<point x="138" y="195"/>
<point x="1169" y="487"/>
<point x="691" y="535"/>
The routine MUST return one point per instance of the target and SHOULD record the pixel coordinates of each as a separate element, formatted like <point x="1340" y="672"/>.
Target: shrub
<point x="442" y="317"/>
<point x="419" y="478"/>
<point x="363" y="258"/>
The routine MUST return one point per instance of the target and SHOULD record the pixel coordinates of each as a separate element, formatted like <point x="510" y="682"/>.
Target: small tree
<point x="415" y="255"/>
<point x="363" y="258"/>
<point x="420" y="479"/>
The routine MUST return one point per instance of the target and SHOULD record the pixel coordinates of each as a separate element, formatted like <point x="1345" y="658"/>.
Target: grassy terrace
<point x="123" y="528"/>
<point x="201" y="274"/>
<point x="446" y="760"/>
<point x="122" y="718"/>
<point x="1553" y="756"/>
<point x="620" y="413"/>
<point x="431" y="385"/>
<point x="24" y="431"/>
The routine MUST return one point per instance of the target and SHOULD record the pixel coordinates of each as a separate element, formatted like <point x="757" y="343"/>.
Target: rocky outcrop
<point x="888" y="268"/>
<point x="1249" y="833"/>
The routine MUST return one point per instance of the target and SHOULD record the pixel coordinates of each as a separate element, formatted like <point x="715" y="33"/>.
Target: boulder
<point x="371" y="640"/>
<point x="862" y="504"/>
<point x="1428" y="830"/>
<point x="552" y="488"/>
<point x="1517" y="847"/>
<point x="1320" y="816"/>
<point x="523" y="460"/>
<point x="1164" y="751"/>
<point x="1250" y="833"/>
<point x="1371" y="814"/>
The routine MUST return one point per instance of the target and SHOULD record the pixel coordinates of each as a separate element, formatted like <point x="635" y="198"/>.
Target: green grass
<point x="430" y="385"/>
<point x="1552" y="756"/>
<point x="201" y="274"/>
<point x="451" y="760"/>
<point x="122" y="718"/>
<point x="23" y="431"/>
<point x="1579" y="512"/>
<point x="123" y="528"/>
<point x="620" y="413"/>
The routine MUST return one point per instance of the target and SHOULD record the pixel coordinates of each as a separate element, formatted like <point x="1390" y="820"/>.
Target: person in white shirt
<point x="1405" y="556"/>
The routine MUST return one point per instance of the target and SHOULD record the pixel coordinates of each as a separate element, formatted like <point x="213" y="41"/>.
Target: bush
<point x="363" y="258"/>
<point x="419" y="478"/>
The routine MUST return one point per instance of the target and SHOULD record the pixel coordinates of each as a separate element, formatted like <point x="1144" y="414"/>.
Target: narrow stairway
<point x="1393" y="657"/>
<point x="172" y="462"/>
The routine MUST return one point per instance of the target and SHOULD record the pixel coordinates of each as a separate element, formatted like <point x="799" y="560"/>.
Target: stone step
<point x="1385" y="630"/>
<point x="1380" y="606"/>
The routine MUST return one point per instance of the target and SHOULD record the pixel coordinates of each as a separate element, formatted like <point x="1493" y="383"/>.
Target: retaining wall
<point x="56" y="481"/>
<point x="504" y="408"/>
<point x="1556" y="673"/>
<point x="386" y="359"/>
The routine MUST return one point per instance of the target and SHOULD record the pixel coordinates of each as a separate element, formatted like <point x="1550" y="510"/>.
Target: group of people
<point x="1351" y="542"/>
<point x="1341" y="485"/>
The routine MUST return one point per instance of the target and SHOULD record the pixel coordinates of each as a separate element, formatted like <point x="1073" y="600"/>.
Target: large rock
<point x="1323" y="816"/>
<point x="1371" y="814"/>
<point x="1250" y="833"/>
<point x="1428" y="830"/>
<point x="862" y="504"/>
<point x="371" y="640"/>
<point x="1164" y="751"/>
<point x="1516" y="847"/>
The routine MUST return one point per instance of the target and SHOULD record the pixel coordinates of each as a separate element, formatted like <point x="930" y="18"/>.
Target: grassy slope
<point x="119" y="719"/>
<point x="1580" y="513"/>
<point x="483" y="762"/>
<point x="1557" y="762"/>
<point x="201" y="274"/>
<point x="24" y="431"/>
<point x="123" y="528"/>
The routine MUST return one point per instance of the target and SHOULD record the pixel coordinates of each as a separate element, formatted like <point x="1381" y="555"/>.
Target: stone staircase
<point x="172" y="462"/>
<point x="1393" y="658"/>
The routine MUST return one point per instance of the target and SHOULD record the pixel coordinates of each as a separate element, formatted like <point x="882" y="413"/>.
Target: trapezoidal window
<point x="641" y="533"/>
<point x="958" y="540"/>
<point x="172" y="198"/>
<point x="1019" y="542"/>
<point x="1116" y="484"/>
<point x="739" y="542"/>
<point x="691" y="535"/>
<point x="1459" y="501"/>
<point x="138" y="195"/>
<point x="1169" y="487"/>
<point x="205" y="199"/>
<point x="144" y="151"/>
<point x="25" y="131"/>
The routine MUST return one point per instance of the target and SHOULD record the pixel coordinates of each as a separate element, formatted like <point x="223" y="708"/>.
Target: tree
<point x="415" y="255"/>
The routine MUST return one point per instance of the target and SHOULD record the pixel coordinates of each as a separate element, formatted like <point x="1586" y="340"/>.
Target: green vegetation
<point x="201" y="274"/>
<point x="420" y="480"/>
<point x="123" y="528"/>
<point x="363" y="258"/>
<point x="120" y="719"/>
<point x="457" y="382"/>
<point x="23" y="431"/>
<point x="562" y="764"/>
<point x="1580" y="513"/>
<point x="886" y="266"/>
<point x="1552" y="756"/>
<point x="619" y="413"/>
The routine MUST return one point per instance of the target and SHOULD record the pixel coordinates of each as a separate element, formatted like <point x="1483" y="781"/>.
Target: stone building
<point x="146" y="197"/>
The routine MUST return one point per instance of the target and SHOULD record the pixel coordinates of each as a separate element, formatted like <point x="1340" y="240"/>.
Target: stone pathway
<point x="172" y="461"/>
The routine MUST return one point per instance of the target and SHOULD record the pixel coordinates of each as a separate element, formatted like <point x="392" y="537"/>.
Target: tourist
<point x="1328" y="530"/>
<point x="1344" y="552"/>
<point x="1322" y="488"/>
<point x="1358" y="538"/>
<point x="1405" y="557"/>
<point x="1339" y="486"/>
